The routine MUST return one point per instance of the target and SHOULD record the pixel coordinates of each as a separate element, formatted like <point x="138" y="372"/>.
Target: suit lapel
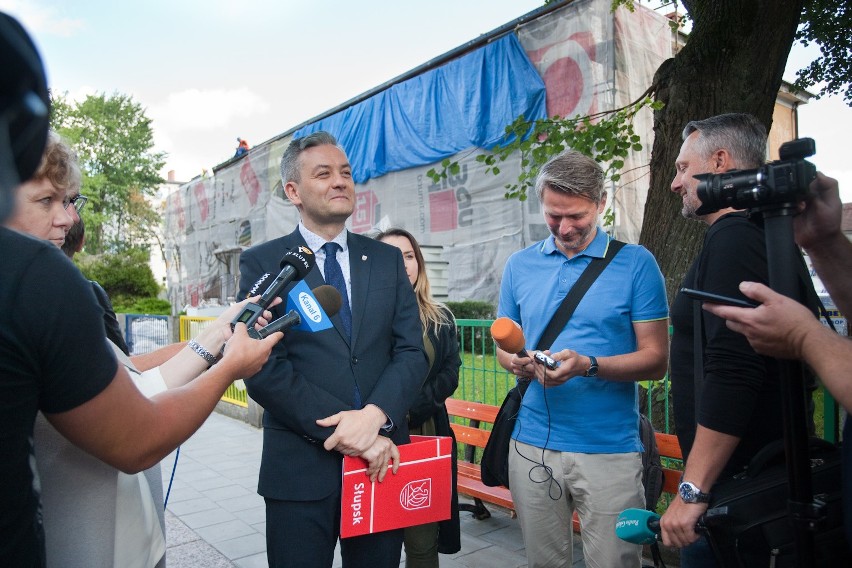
<point x="359" y="272"/>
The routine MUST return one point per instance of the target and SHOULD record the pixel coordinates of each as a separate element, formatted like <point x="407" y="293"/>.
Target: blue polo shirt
<point x="586" y="415"/>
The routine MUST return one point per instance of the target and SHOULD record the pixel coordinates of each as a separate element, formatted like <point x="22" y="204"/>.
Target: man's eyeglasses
<point x="78" y="201"/>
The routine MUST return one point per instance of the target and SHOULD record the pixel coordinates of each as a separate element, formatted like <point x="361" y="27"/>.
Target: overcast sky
<point x="210" y="71"/>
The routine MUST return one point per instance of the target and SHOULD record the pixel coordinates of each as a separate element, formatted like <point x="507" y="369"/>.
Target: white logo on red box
<point x="416" y="494"/>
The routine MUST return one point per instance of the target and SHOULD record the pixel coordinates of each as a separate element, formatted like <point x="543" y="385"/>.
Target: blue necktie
<point x="334" y="277"/>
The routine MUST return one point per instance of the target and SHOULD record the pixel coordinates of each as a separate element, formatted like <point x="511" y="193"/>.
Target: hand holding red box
<point x="419" y="493"/>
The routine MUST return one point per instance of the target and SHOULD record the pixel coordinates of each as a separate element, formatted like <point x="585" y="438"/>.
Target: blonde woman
<point x="428" y="414"/>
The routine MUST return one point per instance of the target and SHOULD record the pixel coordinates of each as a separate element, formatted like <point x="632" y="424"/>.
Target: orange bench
<point x="469" y="476"/>
<point x="473" y="436"/>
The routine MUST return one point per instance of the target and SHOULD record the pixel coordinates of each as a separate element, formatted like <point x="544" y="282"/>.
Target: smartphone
<point x="545" y="360"/>
<point x="717" y="299"/>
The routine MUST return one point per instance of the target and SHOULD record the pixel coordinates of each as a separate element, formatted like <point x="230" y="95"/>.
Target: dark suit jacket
<point x="313" y="375"/>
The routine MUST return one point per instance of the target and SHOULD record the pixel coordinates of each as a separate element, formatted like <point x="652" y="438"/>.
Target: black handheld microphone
<point x="295" y="265"/>
<point x="285" y="322"/>
<point x="328" y="298"/>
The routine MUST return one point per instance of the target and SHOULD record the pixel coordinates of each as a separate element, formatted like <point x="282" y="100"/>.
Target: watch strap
<point x="695" y="494"/>
<point x="593" y="367"/>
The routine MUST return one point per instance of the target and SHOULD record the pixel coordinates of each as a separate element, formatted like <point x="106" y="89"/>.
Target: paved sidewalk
<point x="215" y="518"/>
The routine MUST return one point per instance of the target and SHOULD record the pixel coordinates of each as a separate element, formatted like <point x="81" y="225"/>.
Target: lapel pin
<point x="364" y="257"/>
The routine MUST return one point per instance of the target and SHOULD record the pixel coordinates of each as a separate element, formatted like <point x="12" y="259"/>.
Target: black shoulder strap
<point x="697" y="346"/>
<point x="578" y="290"/>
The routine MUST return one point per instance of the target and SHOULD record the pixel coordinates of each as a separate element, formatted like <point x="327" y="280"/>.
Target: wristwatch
<point x="692" y="494"/>
<point x="593" y="367"/>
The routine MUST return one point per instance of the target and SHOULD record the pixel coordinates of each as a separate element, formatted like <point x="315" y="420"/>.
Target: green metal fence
<point x="482" y="379"/>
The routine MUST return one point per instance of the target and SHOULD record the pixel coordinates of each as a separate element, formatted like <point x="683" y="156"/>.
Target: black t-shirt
<point x="741" y="395"/>
<point x="53" y="358"/>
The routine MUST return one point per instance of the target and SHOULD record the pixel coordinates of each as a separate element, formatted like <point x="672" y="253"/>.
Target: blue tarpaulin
<point x="467" y="102"/>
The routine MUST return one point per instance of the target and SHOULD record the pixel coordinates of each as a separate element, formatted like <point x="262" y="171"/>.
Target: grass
<point x="482" y="379"/>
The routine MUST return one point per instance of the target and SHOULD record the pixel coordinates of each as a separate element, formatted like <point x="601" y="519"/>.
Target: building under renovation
<point x="565" y="59"/>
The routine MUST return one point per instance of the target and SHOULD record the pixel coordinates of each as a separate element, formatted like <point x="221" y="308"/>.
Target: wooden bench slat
<point x="671" y="479"/>
<point x="475" y="488"/>
<point x="469" y="435"/>
<point x="668" y="445"/>
<point x="472" y="410"/>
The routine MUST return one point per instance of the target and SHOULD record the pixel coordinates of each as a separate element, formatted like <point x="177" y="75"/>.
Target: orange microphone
<point x="509" y="336"/>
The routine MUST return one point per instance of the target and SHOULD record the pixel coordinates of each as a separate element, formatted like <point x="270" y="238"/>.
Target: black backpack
<point x="652" y="475"/>
<point x="652" y="468"/>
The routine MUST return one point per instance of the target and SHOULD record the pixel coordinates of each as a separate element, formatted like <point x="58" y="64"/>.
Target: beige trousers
<point x="599" y="486"/>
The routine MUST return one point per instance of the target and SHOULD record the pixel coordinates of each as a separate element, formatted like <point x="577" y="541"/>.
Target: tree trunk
<point x="733" y="61"/>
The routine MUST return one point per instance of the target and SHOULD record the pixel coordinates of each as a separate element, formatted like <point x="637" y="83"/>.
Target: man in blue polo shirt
<point x="576" y="441"/>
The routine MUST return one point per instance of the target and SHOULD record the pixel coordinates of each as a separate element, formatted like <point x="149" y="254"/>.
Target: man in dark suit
<point x="344" y="390"/>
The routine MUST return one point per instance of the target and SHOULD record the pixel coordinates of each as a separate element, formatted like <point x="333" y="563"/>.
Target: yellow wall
<point x="783" y="127"/>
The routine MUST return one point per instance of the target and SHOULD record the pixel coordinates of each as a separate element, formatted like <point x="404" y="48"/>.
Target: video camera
<point x="782" y="181"/>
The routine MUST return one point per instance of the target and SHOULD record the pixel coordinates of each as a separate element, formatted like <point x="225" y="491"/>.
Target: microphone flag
<point x="301" y="299"/>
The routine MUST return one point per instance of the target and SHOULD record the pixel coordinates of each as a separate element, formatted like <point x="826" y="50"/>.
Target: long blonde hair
<point x="433" y="314"/>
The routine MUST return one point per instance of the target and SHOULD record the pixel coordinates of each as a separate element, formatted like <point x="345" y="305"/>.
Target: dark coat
<point x="440" y="384"/>
<point x="313" y="375"/>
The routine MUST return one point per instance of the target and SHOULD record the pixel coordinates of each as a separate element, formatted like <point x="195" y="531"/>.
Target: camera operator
<point x="53" y="351"/>
<point x="731" y="409"/>
<point x="783" y="328"/>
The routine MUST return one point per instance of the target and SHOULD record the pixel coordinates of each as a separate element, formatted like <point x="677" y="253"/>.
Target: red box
<point x="419" y="493"/>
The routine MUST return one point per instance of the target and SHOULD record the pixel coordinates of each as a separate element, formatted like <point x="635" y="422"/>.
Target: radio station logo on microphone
<point x="416" y="495"/>
<point x="305" y="257"/>
<point x="256" y="288"/>
<point x="626" y="523"/>
<point x="310" y="307"/>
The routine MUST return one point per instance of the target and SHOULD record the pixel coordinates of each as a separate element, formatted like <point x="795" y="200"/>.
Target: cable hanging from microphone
<point x="509" y="337"/>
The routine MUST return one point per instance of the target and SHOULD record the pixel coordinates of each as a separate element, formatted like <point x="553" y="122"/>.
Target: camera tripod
<point x="805" y="512"/>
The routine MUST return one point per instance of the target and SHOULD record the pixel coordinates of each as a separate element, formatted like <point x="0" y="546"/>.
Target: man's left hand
<point x="355" y="430"/>
<point x="377" y="456"/>
<point x="571" y="364"/>
<point x="677" y="525"/>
